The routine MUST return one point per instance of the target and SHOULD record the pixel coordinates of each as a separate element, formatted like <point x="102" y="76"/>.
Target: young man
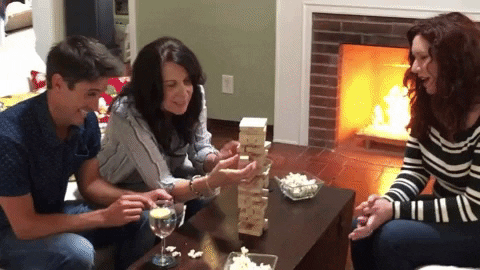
<point x="43" y="141"/>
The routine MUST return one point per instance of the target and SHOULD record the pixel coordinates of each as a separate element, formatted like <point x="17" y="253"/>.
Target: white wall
<point x="48" y="24"/>
<point x="293" y="52"/>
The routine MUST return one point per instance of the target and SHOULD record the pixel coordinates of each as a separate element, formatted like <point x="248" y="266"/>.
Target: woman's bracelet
<point x="211" y="192"/>
<point x="192" y="188"/>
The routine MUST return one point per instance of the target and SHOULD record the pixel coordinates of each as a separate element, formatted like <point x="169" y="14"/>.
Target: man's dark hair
<point x="80" y="58"/>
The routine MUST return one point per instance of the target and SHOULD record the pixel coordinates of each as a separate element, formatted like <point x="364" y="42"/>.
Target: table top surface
<point x="293" y="228"/>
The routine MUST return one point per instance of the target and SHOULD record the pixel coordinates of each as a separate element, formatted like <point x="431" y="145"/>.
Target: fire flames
<point x="373" y="104"/>
<point x="397" y="114"/>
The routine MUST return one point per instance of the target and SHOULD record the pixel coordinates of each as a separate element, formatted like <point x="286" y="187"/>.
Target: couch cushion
<point x="18" y="16"/>
<point x="9" y="101"/>
<point x="440" y="267"/>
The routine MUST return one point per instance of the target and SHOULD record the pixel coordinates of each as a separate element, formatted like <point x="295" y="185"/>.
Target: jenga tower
<point x="253" y="196"/>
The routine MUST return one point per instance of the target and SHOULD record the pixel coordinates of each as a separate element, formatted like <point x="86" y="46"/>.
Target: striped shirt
<point x="130" y="153"/>
<point x="456" y="168"/>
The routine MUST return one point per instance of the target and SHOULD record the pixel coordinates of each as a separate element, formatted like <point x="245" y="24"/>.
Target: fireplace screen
<point x="373" y="101"/>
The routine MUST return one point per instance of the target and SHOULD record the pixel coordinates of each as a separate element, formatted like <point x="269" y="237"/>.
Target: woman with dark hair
<point x="401" y="230"/>
<point x="157" y="135"/>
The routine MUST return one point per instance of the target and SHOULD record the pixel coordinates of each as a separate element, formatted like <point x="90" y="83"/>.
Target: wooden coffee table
<point x="308" y="234"/>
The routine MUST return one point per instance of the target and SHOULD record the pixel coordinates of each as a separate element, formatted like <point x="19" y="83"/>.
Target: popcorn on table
<point x="170" y="248"/>
<point x="242" y="262"/>
<point x="192" y="254"/>
<point x="298" y="185"/>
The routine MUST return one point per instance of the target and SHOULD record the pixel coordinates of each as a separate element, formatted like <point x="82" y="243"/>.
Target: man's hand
<point x="126" y="209"/>
<point x="375" y="212"/>
<point x="157" y="195"/>
<point x="129" y="208"/>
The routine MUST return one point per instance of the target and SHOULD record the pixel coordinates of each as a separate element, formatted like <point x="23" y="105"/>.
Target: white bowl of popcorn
<point x="298" y="186"/>
<point x="250" y="261"/>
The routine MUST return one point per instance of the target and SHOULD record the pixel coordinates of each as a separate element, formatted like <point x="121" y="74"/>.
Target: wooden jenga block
<point x="251" y="139"/>
<point x="244" y="161"/>
<point x="267" y="165"/>
<point x="252" y="150"/>
<point x="262" y="192"/>
<point x="251" y="228"/>
<point x="251" y="199"/>
<point x="255" y="183"/>
<point x="255" y="149"/>
<point x="253" y="125"/>
<point x="250" y="214"/>
<point x="263" y="202"/>
<point x="260" y="158"/>
<point x="254" y="130"/>
<point x="253" y="212"/>
<point x="267" y="144"/>
<point x="266" y="182"/>
<point x="254" y="201"/>
<point x="252" y="196"/>
<point x="242" y="202"/>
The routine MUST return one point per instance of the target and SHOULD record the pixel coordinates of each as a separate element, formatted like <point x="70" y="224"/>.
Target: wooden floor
<point x="350" y="165"/>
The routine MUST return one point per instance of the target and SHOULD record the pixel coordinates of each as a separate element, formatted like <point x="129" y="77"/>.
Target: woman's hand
<point x="228" y="150"/>
<point x="375" y="212"/>
<point x="366" y="205"/>
<point x="223" y="175"/>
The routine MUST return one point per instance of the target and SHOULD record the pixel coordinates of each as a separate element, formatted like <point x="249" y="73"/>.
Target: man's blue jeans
<point x="408" y="244"/>
<point x="74" y="251"/>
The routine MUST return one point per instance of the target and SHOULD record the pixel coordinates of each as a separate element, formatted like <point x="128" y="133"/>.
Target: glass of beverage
<point x="163" y="220"/>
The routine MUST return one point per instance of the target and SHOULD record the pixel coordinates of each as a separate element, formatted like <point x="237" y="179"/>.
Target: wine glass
<point x="163" y="220"/>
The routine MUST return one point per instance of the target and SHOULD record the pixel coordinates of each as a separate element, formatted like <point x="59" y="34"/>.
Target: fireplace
<point x="373" y="103"/>
<point x="308" y="38"/>
<point x="327" y="118"/>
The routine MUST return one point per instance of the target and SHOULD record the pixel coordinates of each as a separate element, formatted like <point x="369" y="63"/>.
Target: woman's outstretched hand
<point x="225" y="172"/>
<point x="229" y="150"/>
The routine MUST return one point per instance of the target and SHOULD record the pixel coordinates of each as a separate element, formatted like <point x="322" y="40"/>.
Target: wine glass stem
<point x="163" y="246"/>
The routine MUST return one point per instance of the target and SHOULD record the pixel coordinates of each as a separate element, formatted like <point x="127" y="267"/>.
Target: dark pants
<point x="72" y="251"/>
<point x="408" y="244"/>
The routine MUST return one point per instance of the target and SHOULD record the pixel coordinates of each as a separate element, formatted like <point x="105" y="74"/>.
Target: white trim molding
<point x="132" y="25"/>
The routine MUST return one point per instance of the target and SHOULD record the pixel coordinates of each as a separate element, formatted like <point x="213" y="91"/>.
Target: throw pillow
<point x="114" y="87"/>
<point x="38" y="80"/>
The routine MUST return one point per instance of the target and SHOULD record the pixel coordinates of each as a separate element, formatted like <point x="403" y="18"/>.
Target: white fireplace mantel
<point x="293" y="50"/>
